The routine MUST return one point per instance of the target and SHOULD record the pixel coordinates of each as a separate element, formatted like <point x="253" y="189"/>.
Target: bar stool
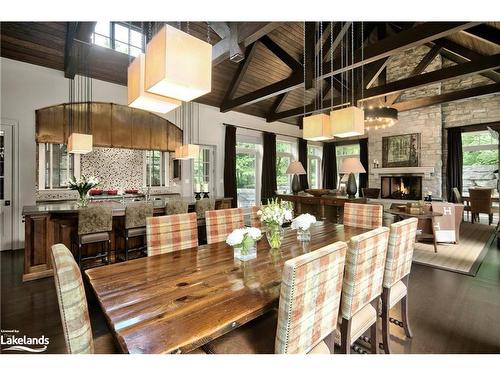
<point x="95" y="224"/>
<point x="135" y="225"/>
<point x="176" y="207"/>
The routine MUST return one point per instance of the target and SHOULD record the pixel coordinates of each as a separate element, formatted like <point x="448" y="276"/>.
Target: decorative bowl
<point x="317" y="192"/>
<point x="131" y="191"/>
<point x="112" y="192"/>
<point x="95" y="191"/>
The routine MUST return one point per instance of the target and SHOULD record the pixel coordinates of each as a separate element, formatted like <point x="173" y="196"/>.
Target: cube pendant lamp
<point x="140" y="98"/>
<point x="79" y="143"/>
<point x="188" y="151"/>
<point x="178" y="65"/>
<point x="347" y="122"/>
<point x="317" y="127"/>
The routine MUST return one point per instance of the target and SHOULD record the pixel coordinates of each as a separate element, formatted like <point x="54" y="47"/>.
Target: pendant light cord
<point x="331" y="64"/>
<point x="304" y="69"/>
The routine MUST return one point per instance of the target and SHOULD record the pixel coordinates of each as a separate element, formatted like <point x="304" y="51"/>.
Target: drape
<point x="230" y="165"/>
<point x="304" y="184"/>
<point x="329" y="166"/>
<point x="268" y="185"/>
<point x="363" y="158"/>
<point x="454" y="163"/>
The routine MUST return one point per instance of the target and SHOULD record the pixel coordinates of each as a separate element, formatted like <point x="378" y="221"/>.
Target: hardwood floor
<point x="449" y="312"/>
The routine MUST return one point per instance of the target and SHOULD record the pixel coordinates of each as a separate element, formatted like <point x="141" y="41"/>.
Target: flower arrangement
<point x="82" y="185"/>
<point x="273" y="215"/>
<point x="243" y="241"/>
<point x="302" y="223"/>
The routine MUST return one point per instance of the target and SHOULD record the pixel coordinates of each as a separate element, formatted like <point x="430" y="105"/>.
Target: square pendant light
<point x="188" y="151"/>
<point x="138" y="97"/>
<point x="79" y="143"/>
<point x="178" y="65"/>
<point x="317" y="127"/>
<point x="347" y="122"/>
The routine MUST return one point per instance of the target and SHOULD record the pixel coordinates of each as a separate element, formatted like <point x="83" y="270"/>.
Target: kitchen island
<point x="49" y="223"/>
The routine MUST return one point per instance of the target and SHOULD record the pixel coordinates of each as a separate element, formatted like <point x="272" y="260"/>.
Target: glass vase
<point x="274" y="235"/>
<point x="303" y="235"/>
<point x="245" y="253"/>
<point x="83" y="200"/>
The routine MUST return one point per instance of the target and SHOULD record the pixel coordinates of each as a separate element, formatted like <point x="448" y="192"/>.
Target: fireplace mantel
<point x="400" y="171"/>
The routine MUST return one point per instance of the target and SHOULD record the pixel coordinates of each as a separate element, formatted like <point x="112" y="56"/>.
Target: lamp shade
<point x="138" y="97"/>
<point x="351" y="165"/>
<point x="295" y="167"/>
<point x="188" y="151"/>
<point x="317" y="127"/>
<point x="79" y="143"/>
<point x="178" y="65"/>
<point x="347" y="122"/>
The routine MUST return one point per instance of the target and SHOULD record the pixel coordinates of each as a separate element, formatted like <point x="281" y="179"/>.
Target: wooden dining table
<point x="179" y="301"/>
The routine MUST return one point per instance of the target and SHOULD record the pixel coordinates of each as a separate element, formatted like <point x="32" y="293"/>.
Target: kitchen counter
<point x="49" y="223"/>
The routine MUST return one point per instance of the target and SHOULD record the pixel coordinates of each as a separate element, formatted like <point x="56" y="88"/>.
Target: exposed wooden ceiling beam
<point x="310" y="108"/>
<point x="248" y="33"/>
<point x="456" y="71"/>
<point x="279" y="52"/>
<point x="422" y="65"/>
<point x="309" y="54"/>
<point x="76" y="32"/>
<point x="278" y="102"/>
<point x="447" y="97"/>
<point x="485" y="33"/>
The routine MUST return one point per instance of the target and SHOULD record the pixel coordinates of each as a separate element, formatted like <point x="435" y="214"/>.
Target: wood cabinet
<point x="112" y="125"/>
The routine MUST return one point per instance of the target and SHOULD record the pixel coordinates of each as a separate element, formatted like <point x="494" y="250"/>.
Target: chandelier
<point x="380" y="117"/>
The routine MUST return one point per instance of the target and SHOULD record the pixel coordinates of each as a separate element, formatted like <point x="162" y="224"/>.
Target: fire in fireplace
<point x="401" y="187"/>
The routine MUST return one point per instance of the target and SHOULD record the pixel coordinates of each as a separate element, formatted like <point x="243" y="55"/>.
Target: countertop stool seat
<point x="95" y="224"/>
<point x="136" y="214"/>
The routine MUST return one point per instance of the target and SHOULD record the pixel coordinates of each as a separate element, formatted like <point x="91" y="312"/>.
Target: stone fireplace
<point x="401" y="187"/>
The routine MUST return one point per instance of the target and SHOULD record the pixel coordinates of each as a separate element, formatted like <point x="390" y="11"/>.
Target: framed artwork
<point x="401" y="150"/>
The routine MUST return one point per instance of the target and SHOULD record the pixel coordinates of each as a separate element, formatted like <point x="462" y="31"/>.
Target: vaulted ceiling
<point x="271" y="81"/>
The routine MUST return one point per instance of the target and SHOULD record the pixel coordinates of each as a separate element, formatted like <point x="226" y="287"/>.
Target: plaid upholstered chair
<point x="176" y="207"/>
<point x="135" y="224"/>
<point x="95" y="224"/>
<point x="203" y="205"/>
<point x="222" y="222"/>
<point x="308" y="309"/>
<point x="170" y="233"/>
<point x="368" y="216"/>
<point x="254" y="218"/>
<point x="362" y="287"/>
<point x="396" y="274"/>
<point x="73" y="306"/>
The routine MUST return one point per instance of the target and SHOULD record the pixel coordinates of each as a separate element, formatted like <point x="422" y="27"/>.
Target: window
<point x="204" y="170"/>
<point x="314" y="155"/>
<point x="347" y="151"/>
<point x="480" y="159"/>
<point x="56" y="166"/>
<point x="248" y="159"/>
<point x="284" y="157"/>
<point x="156" y="168"/>
<point x="120" y="36"/>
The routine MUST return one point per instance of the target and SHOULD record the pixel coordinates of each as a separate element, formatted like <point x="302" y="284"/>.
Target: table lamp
<point x="351" y="166"/>
<point x="295" y="168"/>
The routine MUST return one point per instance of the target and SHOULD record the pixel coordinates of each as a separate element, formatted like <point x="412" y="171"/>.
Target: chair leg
<point x="490" y="218"/>
<point x="345" y="337"/>
<point x="404" y="316"/>
<point x="108" y="251"/>
<point x="385" y="320"/>
<point x="80" y="255"/>
<point x="126" y="248"/>
<point x="373" y="338"/>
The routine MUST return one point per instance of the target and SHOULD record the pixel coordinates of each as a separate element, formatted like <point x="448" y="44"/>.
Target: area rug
<point x="464" y="257"/>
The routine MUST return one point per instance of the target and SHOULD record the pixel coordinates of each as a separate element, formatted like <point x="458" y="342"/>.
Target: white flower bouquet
<point x="302" y="223"/>
<point x="273" y="216"/>
<point x="243" y="241"/>
<point x="82" y="185"/>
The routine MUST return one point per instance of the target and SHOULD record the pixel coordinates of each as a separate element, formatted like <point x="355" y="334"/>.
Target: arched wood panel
<point x="113" y="125"/>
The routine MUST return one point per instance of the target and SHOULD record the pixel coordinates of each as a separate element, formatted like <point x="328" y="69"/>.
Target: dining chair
<point x="396" y="274"/>
<point x="368" y="216"/>
<point x="457" y="198"/>
<point x="481" y="203"/>
<point x="254" y="218"/>
<point x="170" y="233"/>
<point x="308" y="309"/>
<point x="176" y="207"/>
<point x="73" y="306"/>
<point x="362" y="287"/>
<point x="95" y="224"/>
<point x="222" y="222"/>
<point x="136" y="214"/>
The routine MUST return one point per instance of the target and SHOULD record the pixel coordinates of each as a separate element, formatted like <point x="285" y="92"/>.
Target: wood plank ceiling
<point x="274" y="65"/>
